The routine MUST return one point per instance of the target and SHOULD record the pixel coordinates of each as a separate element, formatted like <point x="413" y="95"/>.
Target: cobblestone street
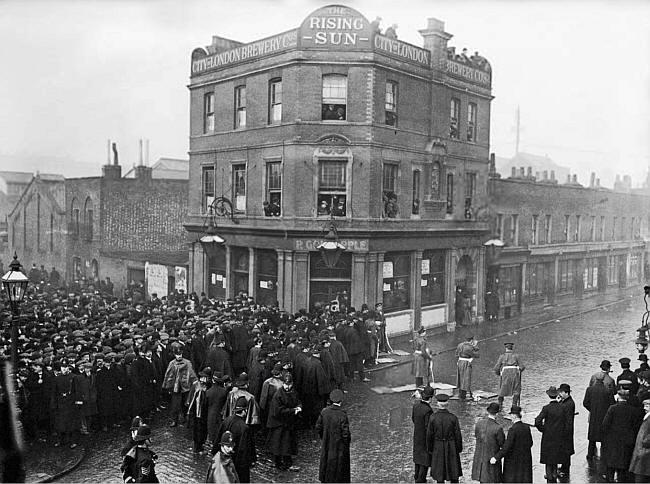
<point x="380" y="424"/>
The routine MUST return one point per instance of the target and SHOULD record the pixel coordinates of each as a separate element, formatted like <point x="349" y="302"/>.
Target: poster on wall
<point x="388" y="270"/>
<point x="155" y="278"/>
<point x="180" y="278"/>
<point x="425" y="267"/>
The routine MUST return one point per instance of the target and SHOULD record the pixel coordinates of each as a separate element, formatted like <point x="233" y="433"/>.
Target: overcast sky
<point x="75" y="73"/>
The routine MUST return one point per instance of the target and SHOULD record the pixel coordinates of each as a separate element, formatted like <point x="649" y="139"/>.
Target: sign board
<point x="387" y="270"/>
<point x="468" y="73"/>
<point x="259" y="48"/>
<point x="336" y="27"/>
<point x="402" y="50"/>
<point x="350" y="244"/>
<point x="425" y="266"/>
<point x="155" y="277"/>
<point x="180" y="278"/>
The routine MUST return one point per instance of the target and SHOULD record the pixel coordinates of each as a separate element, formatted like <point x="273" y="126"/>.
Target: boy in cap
<point x="334" y="430"/>
<point x="509" y="368"/>
<point x="489" y="441"/>
<point x="223" y="468"/>
<point x="444" y="442"/>
<point x="516" y="451"/>
<point x="420" y="416"/>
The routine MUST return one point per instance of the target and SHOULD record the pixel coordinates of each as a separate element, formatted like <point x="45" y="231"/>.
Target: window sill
<point x="434" y="306"/>
<point x="398" y="312"/>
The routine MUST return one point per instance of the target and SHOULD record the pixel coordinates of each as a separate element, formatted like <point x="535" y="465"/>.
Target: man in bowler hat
<point x="552" y="423"/>
<point x="444" y="443"/>
<point x="334" y="430"/>
<point x="569" y="406"/>
<point x="516" y="453"/>
<point x="489" y="441"/>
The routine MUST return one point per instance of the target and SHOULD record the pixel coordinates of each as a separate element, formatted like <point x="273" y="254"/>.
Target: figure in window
<point x="323" y="208"/>
<point x="416" y="206"/>
<point x="391" y="208"/>
<point x="469" y="213"/>
<point x="330" y="112"/>
<point x="338" y="207"/>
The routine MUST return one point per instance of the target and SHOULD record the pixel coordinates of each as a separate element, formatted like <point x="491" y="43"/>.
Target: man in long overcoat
<point x="314" y="388"/>
<point x="516" y="451"/>
<point x="340" y="358"/>
<point x="218" y="358"/>
<point x="552" y="423"/>
<point x="569" y="406"/>
<point x="620" y="426"/>
<point x="144" y="381"/>
<point x="107" y="394"/>
<point x="489" y="441"/>
<point x="334" y="430"/>
<point x="422" y="357"/>
<point x="640" y="463"/>
<point x="466" y="352"/>
<point x="63" y="405"/>
<point x="420" y="416"/>
<point x="597" y="400"/>
<point x="283" y="413"/>
<point x="215" y="398"/>
<point x="444" y="443"/>
<point x="243" y="437"/>
<point x="509" y="368"/>
<point x="605" y="370"/>
<point x="86" y="393"/>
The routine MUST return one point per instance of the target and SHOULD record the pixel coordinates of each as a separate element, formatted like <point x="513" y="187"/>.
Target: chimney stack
<point x="435" y="41"/>
<point x="568" y="178"/>
<point x="146" y="152"/>
<point x="592" y="180"/>
<point x="597" y="182"/>
<point x="552" y="175"/>
<point x="108" y="152"/>
<point x="514" y="172"/>
<point x="575" y="179"/>
<point x="522" y="172"/>
<point x="530" y="172"/>
<point x="545" y="175"/>
<point x="140" y="158"/>
<point x="112" y="171"/>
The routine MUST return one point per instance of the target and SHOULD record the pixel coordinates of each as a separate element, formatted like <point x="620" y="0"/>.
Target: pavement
<point x="97" y="458"/>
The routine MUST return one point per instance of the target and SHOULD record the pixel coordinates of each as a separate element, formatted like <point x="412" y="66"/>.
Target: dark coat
<point x="258" y="372"/>
<point x="569" y="406"/>
<point x="489" y="440"/>
<point x="239" y="342"/>
<point x="620" y="426"/>
<point x="444" y="443"/>
<point x="107" y="392"/>
<point x="143" y="377"/>
<point x="640" y="463"/>
<point x="516" y="454"/>
<point x="86" y="392"/>
<point x="62" y="403"/>
<point x="244" y="440"/>
<point x="334" y="430"/>
<point x="552" y="423"/>
<point x="420" y="416"/>
<point x="598" y="399"/>
<point x="219" y="360"/>
<point x="282" y="421"/>
<point x="215" y="398"/>
<point x="38" y="403"/>
<point x="629" y="375"/>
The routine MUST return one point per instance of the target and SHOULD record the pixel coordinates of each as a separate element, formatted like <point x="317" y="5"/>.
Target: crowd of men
<point x="619" y="412"/>
<point x="89" y="361"/>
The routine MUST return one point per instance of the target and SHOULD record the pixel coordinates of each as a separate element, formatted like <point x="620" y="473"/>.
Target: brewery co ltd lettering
<point x="469" y="73"/>
<point x="271" y="45"/>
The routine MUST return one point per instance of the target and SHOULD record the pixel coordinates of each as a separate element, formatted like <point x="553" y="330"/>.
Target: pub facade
<point x="336" y="127"/>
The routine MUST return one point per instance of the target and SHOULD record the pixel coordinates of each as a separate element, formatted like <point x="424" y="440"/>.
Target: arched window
<point x="88" y="219"/>
<point x="435" y="181"/>
<point x="74" y="218"/>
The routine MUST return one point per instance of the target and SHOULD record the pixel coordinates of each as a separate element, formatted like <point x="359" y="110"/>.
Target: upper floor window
<point x="208" y="112"/>
<point x="470" y="192"/>
<point x="454" y="119"/>
<point x="275" y="101"/>
<point x="471" y="122"/>
<point x="534" y="230"/>
<point x="499" y="226"/>
<point x="547" y="229"/>
<point x="207" y="184"/>
<point x="389" y="190"/>
<point x="38" y="221"/>
<point x="51" y="232"/>
<point x="332" y="188"/>
<point x="391" y="103"/>
<point x="240" y="107"/>
<point x="576" y="236"/>
<point x="567" y="228"/>
<point x="435" y="181"/>
<point x="613" y="228"/>
<point x="514" y="228"/>
<point x="88" y="219"/>
<point x="74" y="219"/>
<point x="239" y="186"/>
<point x="416" y="193"/>
<point x="273" y="202"/>
<point x="602" y="228"/>
<point x="592" y="228"/>
<point x="335" y="94"/>
<point x="622" y="231"/>
<point x="450" y="193"/>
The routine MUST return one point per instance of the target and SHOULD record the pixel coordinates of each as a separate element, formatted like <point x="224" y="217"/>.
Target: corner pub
<point x="334" y="125"/>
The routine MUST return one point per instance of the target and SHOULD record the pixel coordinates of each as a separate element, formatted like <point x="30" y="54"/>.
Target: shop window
<point x="537" y="280"/>
<point x="396" y="281"/>
<point x="207" y="183"/>
<point x="508" y="287"/>
<point x="77" y="269"/>
<point x="471" y="122"/>
<point x="389" y="195"/>
<point x="239" y="270"/>
<point x="332" y="186"/>
<point x="435" y="181"/>
<point x="450" y="193"/>
<point x="391" y="103"/>
<point x="216" y="271"/>
<point x="635" y="267"/>
<point x="329" y="284"/>
<point x="273" y="202"/>
<point x="275" y="101"/>
<point x="208" y="113"/>
<point x="566" y="270"/>
<point x="432" y="284"/>
<point x="239" y="186"/>
<point x="454" y="119"/>
<point x="240" y="107"/>
<point x="335" y="93"/>
<point x="612" y="269"/>
<point x="415" y="209"/>
<point x="267" y="277"/>
<point x="590" y="274"/>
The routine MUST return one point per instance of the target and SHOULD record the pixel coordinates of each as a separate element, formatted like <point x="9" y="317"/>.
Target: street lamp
<point x="641" y="341"/>
<point x="330" y="248"/>
<point x="15" y="284"/>
<point x="211" y="239"/>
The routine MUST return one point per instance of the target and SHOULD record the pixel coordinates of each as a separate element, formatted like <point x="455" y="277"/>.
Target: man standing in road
<point x="466" y="352"/>
<point x="489" y="441"/>
<point x="608" y="381"/>
<point x="509" y="368"/>
<point x="243" y="439"/>
<point x="420" y="416"/>
<point x="597" y="400"/>
<point x="627" y="375"/>
<point x="516" y="454"/>
<point x="334" y="430"/>
<point x="444" y="443"/>
<point x="569" y="407"/>
<point x="552" y="423"/>
<point x="640" y="463"/>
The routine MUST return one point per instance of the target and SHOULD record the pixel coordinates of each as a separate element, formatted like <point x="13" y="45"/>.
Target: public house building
<point x="333" y="126"/>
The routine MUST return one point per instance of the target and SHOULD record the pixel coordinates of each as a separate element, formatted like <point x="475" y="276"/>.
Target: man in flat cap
<point x="516" y="451"/>
<point x="597" y="400"/>
<point x="628" y="374"/>
<point x="489" y="441"/>
<point x="334" y="430"/>
<point x="509" y="368"/>
<point x="551" y="422"/>
<point x="608" y="381"/>
<point x="640" y="463"/>
<point x="420" y="416"/>
<point x="444" y="442"/>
